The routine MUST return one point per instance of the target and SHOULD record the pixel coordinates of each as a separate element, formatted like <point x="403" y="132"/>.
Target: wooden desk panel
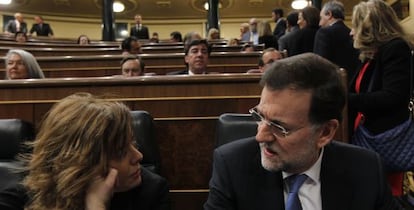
<point x="185" y="109"/>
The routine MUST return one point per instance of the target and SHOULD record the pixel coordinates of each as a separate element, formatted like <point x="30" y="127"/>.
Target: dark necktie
<point x="294" y="182"/>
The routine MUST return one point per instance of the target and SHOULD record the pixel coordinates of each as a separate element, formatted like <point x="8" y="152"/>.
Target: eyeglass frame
<point x="260" y="118"/>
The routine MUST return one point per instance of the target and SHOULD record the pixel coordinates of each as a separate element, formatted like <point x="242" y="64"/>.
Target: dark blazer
<point x="268" y="41"/>
<point x="335" y="44"/>
<point x="301" y="41"/>
<point x="152" y="194"/>
<point x="386" y="105"/>
<point x="280" y="28"/>
<point x="283" y="40"/>
<point x="140" y="34"/>
<point x="45" y="30"/>
<point x="352" y="178"/>
<point x="11" y="27"/>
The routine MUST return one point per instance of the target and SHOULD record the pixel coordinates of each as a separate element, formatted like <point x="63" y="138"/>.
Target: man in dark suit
<point x="333" y="41"/>
<point x="197" y="53"/>
<point x="280" y="28"/>
<point x="16" y="25"/>
<point x="138" y="30"/>
<point x="298" y="114"/>
<point x="41" y="28"/>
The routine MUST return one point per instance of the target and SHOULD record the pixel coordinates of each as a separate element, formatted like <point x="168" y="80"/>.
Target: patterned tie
<point x="294" y="182"/>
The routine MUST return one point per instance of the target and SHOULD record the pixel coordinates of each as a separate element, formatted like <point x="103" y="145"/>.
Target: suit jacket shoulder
<point x="353" y="178"/>
<point x="240" y="182"/>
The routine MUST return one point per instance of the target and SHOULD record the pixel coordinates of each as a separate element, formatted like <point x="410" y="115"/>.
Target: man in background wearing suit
<point x="41" y="28"/>
<point x="280" y="28"/>
<point x="138" y="30"/>
<point x="333" y="41"/>
<point x="16" y="25"/>
<point x="298" y="114"/>
<point x="197" y="53"/>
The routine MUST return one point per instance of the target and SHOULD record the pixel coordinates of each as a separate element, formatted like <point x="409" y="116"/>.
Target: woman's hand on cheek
<point x="100" y="191"/>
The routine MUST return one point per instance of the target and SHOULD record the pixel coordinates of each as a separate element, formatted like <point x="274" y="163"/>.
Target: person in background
<point x="20" y="37"/>
<point x="16" y="25"/>
<point x="189" y="37"/>
<point x="332" y="40"/>
<point x="292" y="25"/>
<point x="41" y="28"/>
<point x="176" y="36"/>
<point x="245" y="32"/>
<point x="293" y="162"/>
<point x="265" y="35"/>
<point x="280" y="27"/>
<point x="303" y="39"/>
<point x="213" y="34"/>
<point x="269" y="56"/>
<point x="254" y="35"/>
<point x="131" y="45"/>
<point x="138" y="30"/>
<point x="233" y="42"/>
<point x="379" y="92"/>
<point x="154" y="38"/>
<point x="247" y="48"/>
<point x="132" y="65"/>
<point x="83" y="40"/>
<point x="21" y="64"/>
<point x="85" y="157"/>
<point x="197" y="53"/>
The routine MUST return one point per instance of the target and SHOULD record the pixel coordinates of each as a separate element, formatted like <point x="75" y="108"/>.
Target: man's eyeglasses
<point x="276" y="129"/>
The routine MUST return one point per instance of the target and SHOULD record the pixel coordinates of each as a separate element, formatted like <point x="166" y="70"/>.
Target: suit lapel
<point x="335" y="186"/>
<point x="271" y="185"/>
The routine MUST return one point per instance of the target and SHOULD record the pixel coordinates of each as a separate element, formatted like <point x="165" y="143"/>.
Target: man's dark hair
<point x="278" y="12"/>
<point x="177" y="36"/>
<point x="197" y="42"/>
<point x="311" y="15"/>
<point x="309" y="71"/>
<point x="134" y="57"/>
<point x="292" y="18"/>
<point x="126" y="43"/>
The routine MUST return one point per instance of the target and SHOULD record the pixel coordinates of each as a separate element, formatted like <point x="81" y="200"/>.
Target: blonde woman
<point x="379" y="92"/>
<point x="84" y="157"/>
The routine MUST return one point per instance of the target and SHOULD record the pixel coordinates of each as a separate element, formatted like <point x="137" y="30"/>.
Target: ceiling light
<point x="206" y="5"/>
<point x="118" y="6"/>
<point x="5" y="1"/>
<point x="300" y="4"/>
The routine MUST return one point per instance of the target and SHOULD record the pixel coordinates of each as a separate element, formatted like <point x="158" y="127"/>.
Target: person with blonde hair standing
<point x="379" y="92"/>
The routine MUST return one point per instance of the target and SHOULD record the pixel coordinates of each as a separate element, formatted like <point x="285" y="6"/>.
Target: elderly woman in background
<point x="84" y="157"/>
<point x="379" y="92"/>
<point x="21" y="64"/>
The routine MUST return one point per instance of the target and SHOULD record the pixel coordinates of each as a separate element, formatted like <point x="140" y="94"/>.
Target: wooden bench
<point x="71" y="66"/>
<point x="185" y="110"/>
<point x="65" y="51"/>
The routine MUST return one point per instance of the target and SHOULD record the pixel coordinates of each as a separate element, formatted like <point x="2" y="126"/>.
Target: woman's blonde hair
<point x="374" y="23"/>
<point x="264" y="29"/>
<point x="77" y="139"/>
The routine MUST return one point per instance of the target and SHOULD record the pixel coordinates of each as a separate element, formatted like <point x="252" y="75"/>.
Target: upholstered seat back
<point x="13" y="132"/>
<point x="232" y="126"/>
<point x="143" y="127"/>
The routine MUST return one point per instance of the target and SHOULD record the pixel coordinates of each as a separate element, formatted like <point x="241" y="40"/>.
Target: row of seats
<point x="13" y="132"/>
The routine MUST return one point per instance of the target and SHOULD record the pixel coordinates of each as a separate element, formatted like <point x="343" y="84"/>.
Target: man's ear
<point x="327" y="132"/>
